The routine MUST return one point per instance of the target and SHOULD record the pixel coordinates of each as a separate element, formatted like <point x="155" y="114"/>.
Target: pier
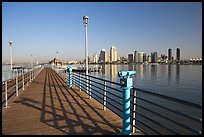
<point x="45" y="101"/>
<point x="47" y="106"/>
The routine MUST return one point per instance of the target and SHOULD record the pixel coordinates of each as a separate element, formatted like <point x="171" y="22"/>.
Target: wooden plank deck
<point x="48" y="107"/>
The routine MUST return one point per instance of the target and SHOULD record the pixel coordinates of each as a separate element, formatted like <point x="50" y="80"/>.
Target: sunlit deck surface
<point x="47" y="106"/>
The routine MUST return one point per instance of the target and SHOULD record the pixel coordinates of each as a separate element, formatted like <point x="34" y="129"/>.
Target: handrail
<point x="80" y="79"/>
<point x="170" y="98"/>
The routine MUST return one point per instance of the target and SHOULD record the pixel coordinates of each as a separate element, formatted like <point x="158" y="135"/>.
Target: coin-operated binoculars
<point x="69" y="70"/>
<point x="126" y="84"/>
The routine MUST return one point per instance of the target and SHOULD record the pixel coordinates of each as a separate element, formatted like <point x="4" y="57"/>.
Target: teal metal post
<point x="69" y="69"/>
<point x="126" y="84"/>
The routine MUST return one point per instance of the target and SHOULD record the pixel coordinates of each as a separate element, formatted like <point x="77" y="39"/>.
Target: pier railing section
<point x="150" y="113"/>
<point x="12" y="87"/>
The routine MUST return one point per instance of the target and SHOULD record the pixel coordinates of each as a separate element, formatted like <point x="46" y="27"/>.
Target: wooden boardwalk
<point x="48" y="107"/>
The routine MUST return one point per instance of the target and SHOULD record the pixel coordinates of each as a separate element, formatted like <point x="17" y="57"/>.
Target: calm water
<point x="180" y="81"/>
<point x="8" y="74"/>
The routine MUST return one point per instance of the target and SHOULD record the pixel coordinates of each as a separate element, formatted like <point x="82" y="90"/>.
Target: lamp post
<point x="57" y="55"/>
<point x="85" y="21"/>
<point x="31" y="61"/>
<point x="10" y="43"/>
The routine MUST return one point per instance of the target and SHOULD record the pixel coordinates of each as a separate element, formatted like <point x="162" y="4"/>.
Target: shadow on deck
<point x="47" y="106"/>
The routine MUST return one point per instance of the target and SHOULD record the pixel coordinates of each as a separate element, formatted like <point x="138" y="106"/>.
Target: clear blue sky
<point x="42" y="29"/>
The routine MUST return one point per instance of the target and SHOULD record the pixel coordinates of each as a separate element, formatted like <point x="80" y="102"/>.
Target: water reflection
<point x="103" y="69"/>
<point x="113" y="72"/>
<point x="177" y="74"/>
<point x="141" y="71"/>
<point x="169" y="74"/>
<point x="154" y="72"/>
<point x="131" y="67"/>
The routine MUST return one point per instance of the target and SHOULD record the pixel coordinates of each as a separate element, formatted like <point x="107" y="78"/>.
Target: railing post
<point x="6" y="96"/>
<point x="79" y="81"/>
<point x="73" y="76"/>
<point x="17" y="86"/>
<point x="23" y="80"/>
<point x="89" y="87"/>
<point x="87" y="84"/>
<point x="134" y="110"/>
<point x="70" y="76"/>
<point x="126" y="84"/>
<point x="27" y="78"/>
<point x="104" y="96"/>
<point x="33" y="74"/>
<point x="30" y="76"/>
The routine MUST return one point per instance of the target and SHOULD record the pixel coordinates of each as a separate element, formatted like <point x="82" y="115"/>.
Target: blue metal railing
<point x="151" y="113"/>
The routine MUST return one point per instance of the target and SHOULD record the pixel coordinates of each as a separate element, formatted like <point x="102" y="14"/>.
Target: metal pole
<point x="70" y="77"/>
<point x="104" y="96"/>
<point x="11" y="55"/>
<point x="86" y="54"/>
<point x="32" y="62"/>
<point x="23" y="80"/>
<point x="6" y="94"/>
<point x="30" y="76"/>
<point x="79" y="81"/>
<point x="89" y="87"/>
<point x="134" y="110"/>
<point x="86" y="51"/>
<point x="16" y="86"/>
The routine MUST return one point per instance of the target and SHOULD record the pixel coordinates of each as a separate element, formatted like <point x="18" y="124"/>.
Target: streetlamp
<point x="85" y="21"/>
<point x="31" y="61"/>
<point x="57" y="54"/>
<point x="10" y="43"/>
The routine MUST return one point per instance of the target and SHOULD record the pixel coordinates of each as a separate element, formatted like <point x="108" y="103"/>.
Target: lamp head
<point x="10" y="42"/>
<point x="85" y="20"/>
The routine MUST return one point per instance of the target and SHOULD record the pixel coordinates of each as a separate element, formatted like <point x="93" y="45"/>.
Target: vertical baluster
<point x="16" y="86"/>
<point x="30" y="76"/>
<point x="104" y="96"/>
<point x="23" y="80"/>
<point x="33" y="75"/>
<point x="73" y="80"/>
<point x="79" y="81"/>
<point x="6" y="94"/>
<point x="134" y="110"/>
<point x="86" y="84"/>
<point x="27" y="79"/>
<point x="89" y="87"/>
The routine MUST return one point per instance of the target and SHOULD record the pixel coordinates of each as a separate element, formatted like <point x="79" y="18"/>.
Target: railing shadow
<point x="79" y="104"/>
<point x="64" y="108"/>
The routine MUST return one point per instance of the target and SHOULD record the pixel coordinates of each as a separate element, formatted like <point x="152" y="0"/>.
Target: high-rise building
<point x="169" y="54"/>
<point x="140" y="57"/>
<point x="102" y="57"/>
<point x="113" y="54"/>
<point x="177" y="54"/>
<point x="149" y="58"/>
<point x="154" y="57"/>
<point x="130" y="58"/>
<point x="136" y="56"/>
<point x="144" y="57"/>
<point x="95" y="58"/>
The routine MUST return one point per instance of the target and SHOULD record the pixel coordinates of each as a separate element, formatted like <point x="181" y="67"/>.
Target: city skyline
<point x="41" y="29"/>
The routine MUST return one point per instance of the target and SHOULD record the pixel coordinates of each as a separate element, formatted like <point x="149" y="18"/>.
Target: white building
<point x="113" y="54"/>
<point x="140" y="57"/>
<point x="95" y="58"/>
